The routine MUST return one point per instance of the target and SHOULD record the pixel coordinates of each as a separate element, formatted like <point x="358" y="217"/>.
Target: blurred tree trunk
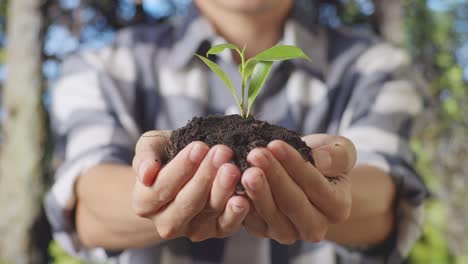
<point x="21" y="156"/>
<point x="389" y="20"/>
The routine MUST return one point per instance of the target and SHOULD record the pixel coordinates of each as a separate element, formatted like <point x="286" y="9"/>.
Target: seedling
<point x="253" y="71"/>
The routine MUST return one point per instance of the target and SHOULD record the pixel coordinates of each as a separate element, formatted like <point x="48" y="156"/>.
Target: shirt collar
<point x="194" y="34"/>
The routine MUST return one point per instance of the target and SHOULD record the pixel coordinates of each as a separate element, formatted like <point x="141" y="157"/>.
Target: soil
<point x="240" y="134"/>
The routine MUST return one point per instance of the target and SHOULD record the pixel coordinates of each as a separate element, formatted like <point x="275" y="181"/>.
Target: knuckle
<point x="162" y="196"/>
<point x="310" y="235"/>
<point x="147" y="201"/>
<point x="286" y="236"/>
<point x="340" y="215"/>
<point x="342" y="209"/>
<point x="315" y="237"/>
<point x="211" y="213"/>
<point x="139" y="205"/>
<point x="197" y="237"/>
<point x="196" y="232"/>
<point x="315" y="232"/>
<point x="225" y="229"/>
<point x="288" y="239"/>
<point x="260" y="233"/>
<point x="203" y="179"/>
<point x="190" y="209"/>
<point x="167" y="231"/>
<point x="139" y="210"/>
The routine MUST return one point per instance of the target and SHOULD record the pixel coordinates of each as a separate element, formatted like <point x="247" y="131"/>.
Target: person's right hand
<point x="192" y="196"/>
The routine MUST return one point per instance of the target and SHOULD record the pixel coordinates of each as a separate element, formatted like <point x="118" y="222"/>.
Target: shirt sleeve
<point x="92" y="122"/>
<point x="382" y="113"/>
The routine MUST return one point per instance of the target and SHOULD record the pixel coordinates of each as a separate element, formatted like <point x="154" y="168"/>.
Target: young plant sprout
<point x="254" y="71"/>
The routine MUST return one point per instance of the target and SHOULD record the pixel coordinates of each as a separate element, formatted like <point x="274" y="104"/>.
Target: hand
<point x="192" y="196"/>
<point x="293" y="200"/>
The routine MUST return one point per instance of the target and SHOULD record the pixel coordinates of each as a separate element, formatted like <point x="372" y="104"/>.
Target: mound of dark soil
<point x="240" y="134"/>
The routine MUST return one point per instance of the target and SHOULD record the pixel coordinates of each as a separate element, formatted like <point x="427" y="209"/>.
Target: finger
<point x="290" y="199"/>
<point x="231" y="220"/>
<point x="193" y="197"/>
<point x="170" y="180"/>
<point x="203" y="226"/>
<point x="149" y="151"/>
<point x="333" y="200"/>
<point x="199" y="187"/>
<point x="148" y="165"/>
<point x="224" y="186"/>
<point x="258" y="190"/>
<point x="333" y="155"/>
<point x="155" y="141"/>
<point x="255" y="225"/>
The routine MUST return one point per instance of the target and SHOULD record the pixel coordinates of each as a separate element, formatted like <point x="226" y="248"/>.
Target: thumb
<point x="149" y="152"/>
<point x="333" y="155"/>
<point x="147" y="166"/>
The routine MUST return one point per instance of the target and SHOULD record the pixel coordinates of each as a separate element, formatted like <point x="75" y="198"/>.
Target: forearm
<point x="371" y="219"/>
<point x="104" y="216"/>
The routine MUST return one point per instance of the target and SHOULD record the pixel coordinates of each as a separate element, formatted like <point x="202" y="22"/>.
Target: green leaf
<point x="281" y="52"/>
<point x="220" y="48"/>
<point x="259" y="76"/>
<point x="249" y="67"/>
<point x="221" y="74"/>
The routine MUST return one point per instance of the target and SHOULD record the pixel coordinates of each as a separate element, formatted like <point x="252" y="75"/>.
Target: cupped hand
<point x="192" y="195"/>
<point x="294" y="200"/>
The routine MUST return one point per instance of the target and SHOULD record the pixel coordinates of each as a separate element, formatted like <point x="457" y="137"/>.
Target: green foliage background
<point x="442" y="146"/>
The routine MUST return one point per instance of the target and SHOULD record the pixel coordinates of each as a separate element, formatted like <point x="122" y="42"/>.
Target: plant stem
<point x="243" y="95"/>
<point x="243" y="81"/>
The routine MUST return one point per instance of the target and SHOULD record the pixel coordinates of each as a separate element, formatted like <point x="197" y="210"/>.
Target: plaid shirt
<point x="355" y="86"/>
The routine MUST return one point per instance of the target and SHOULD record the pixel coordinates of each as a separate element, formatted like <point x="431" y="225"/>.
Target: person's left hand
<point x="292" y="199"/>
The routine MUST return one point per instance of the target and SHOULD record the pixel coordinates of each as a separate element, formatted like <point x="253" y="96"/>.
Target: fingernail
<point x="227" y="179"/>
<point x="142" y="170"/>
<point x="323" y="159"/>
<point x="261" y="160"/>
<point x="237" y="209"/>
<point x="279" y="151"/>
<point x="197" y="153"/>
<point x="220" y="156"/>
<point x="254" y="182"/>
